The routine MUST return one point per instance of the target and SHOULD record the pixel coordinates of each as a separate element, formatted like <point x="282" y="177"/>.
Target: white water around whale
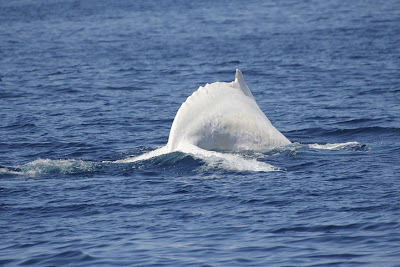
<point x="212" y="160"/>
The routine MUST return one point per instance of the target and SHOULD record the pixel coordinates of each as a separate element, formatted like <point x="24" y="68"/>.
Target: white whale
<point x="223" y="117"/>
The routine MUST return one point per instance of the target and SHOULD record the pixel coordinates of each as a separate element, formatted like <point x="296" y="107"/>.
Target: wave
<point x="159" y="161"/>
<point x="212" y="159"/>
<point x="244" y="161"/>
<point x="48" y="166"/>
<point x="353" y="146"/>
<point x="347" y="131"/>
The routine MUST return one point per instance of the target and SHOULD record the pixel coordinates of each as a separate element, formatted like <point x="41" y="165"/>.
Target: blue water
<point x="85" y="83"/>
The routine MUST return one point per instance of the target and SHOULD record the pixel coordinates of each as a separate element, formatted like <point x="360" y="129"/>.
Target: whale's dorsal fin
<point x="242" y="84"/>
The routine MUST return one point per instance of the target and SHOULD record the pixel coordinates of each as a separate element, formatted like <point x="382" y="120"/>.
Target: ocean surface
<point x="87" y="84"/>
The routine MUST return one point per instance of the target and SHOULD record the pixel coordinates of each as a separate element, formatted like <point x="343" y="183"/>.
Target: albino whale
<point x="223" y="117"/>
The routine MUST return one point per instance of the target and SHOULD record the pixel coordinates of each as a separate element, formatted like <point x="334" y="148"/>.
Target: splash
<point x="205" y="161"/>
<point x="48" y="166"/>
<point x="212" y="159"/>
<point x="337" y="146"/>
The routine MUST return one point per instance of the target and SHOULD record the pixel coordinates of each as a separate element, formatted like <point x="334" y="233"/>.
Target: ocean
<point x="86" y="85"/>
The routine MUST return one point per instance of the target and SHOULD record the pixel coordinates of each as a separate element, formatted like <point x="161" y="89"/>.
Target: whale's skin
<point x="223" y="117"/>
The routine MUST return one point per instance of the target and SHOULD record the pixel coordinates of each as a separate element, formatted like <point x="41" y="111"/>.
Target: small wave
<point x="338" y="146"/>
<point x="212" y="159"/>
<point x="247" y="161"/>
<point x="48" y="166"/>
<point x="234" y="162"/>
<point x="188" y="159"/>
<point x="346" y="131"/>
<point x="9" y="171"/>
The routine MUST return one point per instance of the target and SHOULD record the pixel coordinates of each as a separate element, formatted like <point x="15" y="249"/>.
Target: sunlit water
<point x="87" y="86"/>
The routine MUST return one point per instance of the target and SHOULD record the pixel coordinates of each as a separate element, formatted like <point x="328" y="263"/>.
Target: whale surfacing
<point x="217" y="118"/>
<point x="223" y="117"/>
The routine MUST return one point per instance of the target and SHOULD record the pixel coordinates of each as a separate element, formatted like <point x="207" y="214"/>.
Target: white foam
<point x="213" y="159"/>
<point x="232" y="162"/>
<point x="155" y="153"/>
<point x="9" y="172"/>
<point x="48" y="166"/>
<point x="337" y="146"/>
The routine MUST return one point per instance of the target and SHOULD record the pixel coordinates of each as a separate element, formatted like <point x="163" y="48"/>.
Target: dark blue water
<point x="85" y="83"/>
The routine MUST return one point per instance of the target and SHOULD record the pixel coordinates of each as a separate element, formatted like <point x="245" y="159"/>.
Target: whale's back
<point x="223" y="117"/>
